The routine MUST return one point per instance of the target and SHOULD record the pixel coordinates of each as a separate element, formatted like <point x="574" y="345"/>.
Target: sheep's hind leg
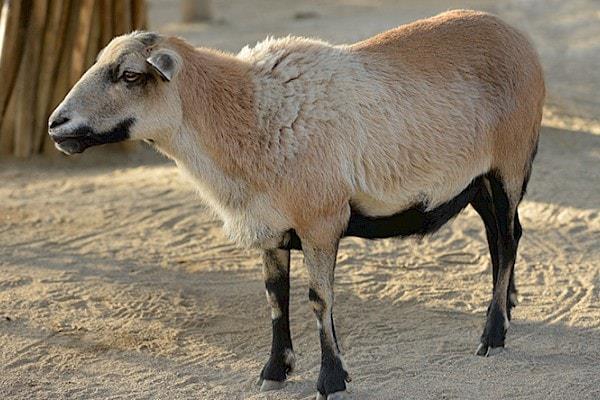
<point x="497" y="322"/>
<point x="512" y="289"/>
<point x="483" y="204"/>
<point x="276" y="271"/>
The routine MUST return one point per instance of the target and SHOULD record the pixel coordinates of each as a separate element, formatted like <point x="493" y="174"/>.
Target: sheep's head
<point x="129" y="93"/>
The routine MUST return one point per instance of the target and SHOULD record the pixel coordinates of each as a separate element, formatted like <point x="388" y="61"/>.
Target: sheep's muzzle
<point x="79" y="139"/>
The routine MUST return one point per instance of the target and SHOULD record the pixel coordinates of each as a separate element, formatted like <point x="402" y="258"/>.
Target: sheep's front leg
<point x="320" y="262"/>
<point x="276" y="271"/>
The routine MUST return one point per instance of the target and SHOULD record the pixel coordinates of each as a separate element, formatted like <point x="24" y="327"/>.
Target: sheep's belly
<point x="368" y="205"/>
<point x="415" y="219"/>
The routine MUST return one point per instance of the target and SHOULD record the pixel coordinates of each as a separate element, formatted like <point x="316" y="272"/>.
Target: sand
<point x="115" y="282"/>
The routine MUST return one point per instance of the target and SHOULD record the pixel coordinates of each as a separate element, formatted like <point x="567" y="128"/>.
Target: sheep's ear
<point x="166" y="62"/>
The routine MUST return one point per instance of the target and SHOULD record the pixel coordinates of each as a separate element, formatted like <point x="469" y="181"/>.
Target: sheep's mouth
<point x="83" y="137"/>
<point x="70" y="145"/>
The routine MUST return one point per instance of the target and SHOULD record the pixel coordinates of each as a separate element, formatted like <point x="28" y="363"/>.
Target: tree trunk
<point x="46" y="46"/>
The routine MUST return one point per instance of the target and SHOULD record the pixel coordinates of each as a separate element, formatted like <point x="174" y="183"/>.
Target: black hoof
<point x="333" y="377"/>
<point x="267" y="385"/>
<point x="277" y="368"/>
<point x="494" y="332"/>
<point x="332" y="396"/>
<point x="487" y="351"/>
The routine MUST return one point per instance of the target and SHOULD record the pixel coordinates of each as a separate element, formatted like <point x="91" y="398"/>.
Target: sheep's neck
<point x="219" y="144"/>
<point x="217" y="94"/>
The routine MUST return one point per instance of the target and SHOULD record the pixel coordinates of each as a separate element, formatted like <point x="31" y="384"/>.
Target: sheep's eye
<point x="130" y="76"/>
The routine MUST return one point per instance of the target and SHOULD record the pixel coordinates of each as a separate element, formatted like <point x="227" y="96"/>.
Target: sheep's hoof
<point x="268" y="385"/>
<point x="482" y="350"/>
<point x="488" y="351"/>
<point x="333" y="396"/>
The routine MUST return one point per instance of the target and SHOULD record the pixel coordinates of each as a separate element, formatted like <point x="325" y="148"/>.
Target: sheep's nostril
<point x="58" y="121"/>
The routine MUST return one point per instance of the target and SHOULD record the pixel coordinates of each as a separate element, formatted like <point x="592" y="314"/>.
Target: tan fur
<point x="217" y="97"/>
<point x="291" y="133"/>
<point x="476" y="47"/>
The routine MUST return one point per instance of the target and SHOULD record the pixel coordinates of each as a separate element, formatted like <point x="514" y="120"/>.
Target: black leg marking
<point x="293" y="241"/>
<point x="320" y="264"/>
<point x="518" y="227"/>
<point x="483" y="204"/>
<point x="512" y="289"/>
<point x="332" y="376"/>
<point x="497" y="319"/>
<point x="337" y="346"/>
<point x="277" y="283"/>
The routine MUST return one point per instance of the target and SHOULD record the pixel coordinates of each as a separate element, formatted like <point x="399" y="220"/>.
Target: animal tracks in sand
<point x="132" y="288"/>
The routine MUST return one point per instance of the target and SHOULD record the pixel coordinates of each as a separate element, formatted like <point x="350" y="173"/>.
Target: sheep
<point x="296" y="143"/>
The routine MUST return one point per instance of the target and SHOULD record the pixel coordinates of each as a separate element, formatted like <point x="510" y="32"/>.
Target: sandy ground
<point x="116" y="283"/>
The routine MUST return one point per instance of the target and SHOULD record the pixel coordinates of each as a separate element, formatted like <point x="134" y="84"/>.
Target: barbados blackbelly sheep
<point x="296" y="143"/>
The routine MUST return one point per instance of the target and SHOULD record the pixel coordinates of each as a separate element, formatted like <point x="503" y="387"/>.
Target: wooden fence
<point x="47" y="45"/>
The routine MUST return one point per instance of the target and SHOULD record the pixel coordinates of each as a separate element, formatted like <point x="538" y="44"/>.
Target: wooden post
<point x="138" y="14"/>
<point x="13" y="44"/>
<point x="27" y="79"/>
<point x="3" y="19"/>
<point x="49" y="63"/>
<point x="45" y="46"/>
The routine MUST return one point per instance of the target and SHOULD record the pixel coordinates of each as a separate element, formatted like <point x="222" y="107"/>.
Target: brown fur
<point x="295" y="132"/>
<point x="217" y="95"/>
<point x="420" y="66"/>
<point x="482" y="47"/>
<point x="476" y="45"/>
<point x="217" y="98"/>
